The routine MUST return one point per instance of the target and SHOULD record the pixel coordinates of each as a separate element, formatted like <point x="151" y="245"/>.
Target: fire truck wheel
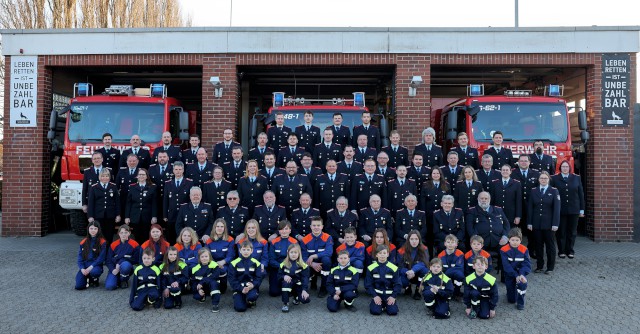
<point x="78" y="222"/>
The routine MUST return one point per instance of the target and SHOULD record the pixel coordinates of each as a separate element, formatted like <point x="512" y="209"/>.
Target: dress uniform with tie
<point x="288" y="153"/>
<point x="301" y="221"/>
<point x="468" y="156"/>
<point x="351" y="169"/>
<point x="235" y="218"/>
<point x="222" y="152"/>
<point x="419" y="175"/>
<point x="141" y="206"/>
<point x="397" y="191"/>
<point x="431" y="154"/>
<point x="387" y="172"/>
<point x="327" y="189"/>
<point x="451" y="174"/>
<point x="341" y="135"/>
<point x="507" y="194"/>
<point x="257" y="154"/>
<point x="215" y="193"/>
<point x="198" y="216"/>
<point x="308" y="136"/>
<point x="431" y="196"/>
<point x="542" y="162"/>
<point x="466" y="194"/>
<point x="90" y="176"/>
<point x="364" y="153"/>
<point x="159" y="175"/>
<point x="407" y="220"/>
<point x="176" y="193"/>
<point x="277" y="136"/>
<point x="398" y="155"/>
<point x="371" y="219"/>
<point x="189" y="155"/>
<point x="125" y="177"/>
<point x="144" y="158"/>
<point x="268" y="218"/>
<point x="487" y="177"/>
<point x="501" y="156"/>
<point x="572" y="206"/>
<point x="174" y="153"/>
<point x="363" y="186"/>
<point x="288" y="190"/>
<point x="312" y="174"/>
<point x="271" y="174"/>
<point x="251" y="189"/>
<point x="445" y="223"/>
<point x="544" y="209"/>
<point x="110" y="156"/>
<point x="323" y="153"/>
<point x="491" y="224"/>
<point x="337" y="222"/>
<point x="104" y="206"/>
<point x="372" y="133"/>
<point x="200" y="174"/>
<point x="233" y="171"/>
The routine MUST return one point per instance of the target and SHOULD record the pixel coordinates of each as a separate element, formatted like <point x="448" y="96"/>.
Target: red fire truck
<point x="323" y="110"/>
<point x="121" y="110"/>
<point x="520" y="116"/>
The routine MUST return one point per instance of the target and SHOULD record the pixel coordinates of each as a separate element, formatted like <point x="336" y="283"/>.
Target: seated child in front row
<point x="413" y="259"/>
<point x="174" y="278"/>
<point x="480" y="291"/>
<point x="188" y="247"/>
<point x="477" y="242"/>
<point x="245" y="276"/>
<point x="146" y="280"/>
<point x="354" y="247"/>
<point x="516" y="266"/>
<point x="277" y="253"/>
<point x="205" y="279"/>
<point x="453" y="262"/>
<point x="294" y="277"/>
<point x="122" y="255"/>
<point x="382" y="282"/>
<point x="342" y="284"/>
<point x="437" y="289"/>
<point x="91" y="256"/>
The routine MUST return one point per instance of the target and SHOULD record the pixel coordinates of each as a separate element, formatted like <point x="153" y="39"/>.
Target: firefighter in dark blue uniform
<point x="236" y="168"/>
<point x="398" y="189"/>
<point x="383" y="169"/>
<point x="301" y="217"/>
<point x="543" y="219"/>
<point x="145" y="284"/>
<point x="398" y="154"/>
<point x="251" y="187"/>
<point x="501" y="155"/>
<point x="235" y="215"/>
<point x="432" y="192"/>
<point x="541" y="161"/>
<point x="278" y="133"/>
<point x="159" y="174"/>
<point x="200" y="171"/>
<point x="173" y="152"/>
<point x="507" y="194"/>
<point x="372" y="218"/>
<point x="196" y="214"/>
<point x="486" y="175"/>
<point x="572" y="197"/>
<point x="245" y="276"/>
<point x="431" y="152"/>
<point x="382" y="283"/>
<point x="371" y="131"/>
<point x="417" y="171"/>
<point x="215" y="191"/>
<point x="467" y="155"/>
<point x="349" y="166"/>
<point x="363" y="151"/>
<point x="270" y="170"/>
<point x="141" y="207"/>
<point x="327" y="150"/>
<point x="308" y="169"/>
<point x="489" y="222"/>
<point x="126" y="176"/>
<point x="341" y="133"/>
<point x="448" y="220"/>
<point x="290" y="186"/>
<point x="110" y="155"/>
<point x="342" y="284"/>
<point x="451" y="172"/>
<point x="269" y="214"/>
<point x="367" y="184"/>
<point x="291" y="152"/>
<point x="257" y="153"/>
<point x="91" y="176"/>
<point x="308" y="134"/>
<point x="467" y="190"/>
<point x="176" y="193"/>
<point x="409" y="219"/>
<point x="222" y="150"/>
<point x="339" y="219"/>
<point x="144" y="158"/>
<point x="103" y="205"/>
<point x="189" y="154"/>
<point x="528" y="178"/>
<point x="329" y="187"/>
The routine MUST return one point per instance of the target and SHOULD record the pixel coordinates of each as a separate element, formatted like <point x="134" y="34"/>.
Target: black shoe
<point x="322" y="292"/>
<point x="124" y="285"/>
<point x="548" y="272"/>
<point x="416" y="294"/>
<point x="178" y="305"/>
<point x="296" y="301"/>
<point x="571" y="256"/>
<point x="252" y="304"/>
<point x="350" y="308"/>
<point x="314" y="283"/>
<point x="537" y="271"/>
<point x="533" y="256"/>
<point x="407" y="291"/>
<point x="95" y="283"/>
<point x="520" y="307"/>
<point x="285" y="308"/>
<point x="562" y="256"/>
<point x="472" y="314"/>
<point x="215" y="308"/>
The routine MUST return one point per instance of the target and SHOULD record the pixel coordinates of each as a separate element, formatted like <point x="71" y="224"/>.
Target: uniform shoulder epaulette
<point x="88" y="168"/>
<point x="505" y="248"/>
<point x="222" y="207"/>
<point x="400" y="210"/>
<point x="112" y="183"/>
<point x="244" y="207"/>
<point x="258" y="206"/>
<point x="280" y="206"/>
<point x="184" y="204"/>
<point x="342" y="174"/>
<point x="459" y="209"/>
<point x="384" y="209"/>
<point x="124" y="167"/>
<point x="437" y="211"/>
<point x="226" y="163"/>
<point x="276" y="240"/>
<point x="297" y="209"/>
<point x="460" y="181"/>
<point x="419" y="211"/>
<point x="516" y="180"/>
<point x="471" y="207"/>
<point x="152" y="165"/>
<point x="330" y="210"/>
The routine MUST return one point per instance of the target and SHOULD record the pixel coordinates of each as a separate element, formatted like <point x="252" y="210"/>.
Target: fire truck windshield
<point x="322" y="118"/>
<point x="520" y="121"/>
<point x="88" y="121"/>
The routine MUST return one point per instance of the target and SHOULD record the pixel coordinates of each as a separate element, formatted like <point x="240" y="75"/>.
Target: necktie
<point x="337" y="128"/>
<point x="342" y="214"/>
<point x="226" y="146"/>
<point x="217" y="185"/>
<point x="436" y="185"/>
<point x="524" y="174"/>
<point x="542" y="190"/>
<point x="328" y="146"/>
<point x="453" y="171"/>
<point x="290" y="178"/>
<point x="104" y="186"/>
<point x="429" y="148"/>
<point x="362" y="150"/>
<point x="410" y="213"/>
<point x="161" y="169"/>
<point x="375" y="212"/>
<point x="370" y="178"/>
<point x="252" y="179"/>
<point x="395" y="149"/>
<point x="308" y="171"/>
<point x="269" y="209"/>
<point x="131" y="172"/>
<point x="195" y="206"/>
<point x="177" y="183"/>
<point x="261" y="150"/>
<point x="539" y="157"/>
<point x="270" y="172"/>
<point x="237" y="165"/>
<point x="566" y="178"/>
<point x="293" y="150"/>
<point x="201" y="168"/>
<point x="464" y="150"/>
<point x="97" y="171"/>
<point x="135" y="151"/>
<point x="488" y="173"/>
<point x="194" y="152"/>
<point x="304" y="211"/>
<point x="504" y="183"/>
<point x="383" y="171"/>
<point x="348" y="166"/>
<point x="448" y="214"/>
<point x="308" y="127"/>
<point x="468" y="184"/>
<point x="498" y="150"/>
<point x="332" y="177"/>
<point x="401" y="183"/>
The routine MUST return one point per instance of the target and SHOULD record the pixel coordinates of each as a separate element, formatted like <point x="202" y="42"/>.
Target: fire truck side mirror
<point x="51" y="134"/>
<point x="184" y="125"/>
<point x="452" y="123"/>
<point x="384" y="131"/>
<point x="584" y="136"/>
<point x="253" y="131"/>
<point x="582" y="119"/>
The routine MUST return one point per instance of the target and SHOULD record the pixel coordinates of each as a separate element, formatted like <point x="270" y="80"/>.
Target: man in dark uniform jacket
<point x="486" y="175"/>
<point x="222" y="150"/>
<point x="270" y="170"/>
<point x="308" y="134"/>
<point x="466" y="194"/>
<point x="338" y="220"/>
<point x="308" y="169"/>
<point x="541" y="161"/>
<point x="159" y="173"/>
<point x="144" y="158"/>
<point x="110" y="155"/>
<point x="278" y="134"/>
<point x="418" y="172"/>
<point x="367" y="184"/>
<point x="373" y="217"/>
<point x="409" y="219"/>
<point x="215" y="190"/>
<point x="349" y="166"/>
<point x="341" y="133"/>
<point x="371" y="131"/>
<point x="467" y="155"/>
<point x="189" y="154"/>
<point x="269" y="215"/>
<point x="431" y="152"/>
<point x="290" y="152"/>
<point x="257" y="153"/>
<point x="363" y="151"/>
<point x="173" y="152"/>
<point x="202" y="170"/>
<point x="236" y="216"/>
<point x="236" y="168"/>
<point x="398" y="154"/>
<point x="91" y="176"/>
<point x="452" y="170"/>
<point x="104" y="205"/>
<point x="528" y="178"/>
<point x="398" y="189"/>
<point x="326" y="150"/>
<point x="489" y="222"/>
<point x="329" y="187"/>
<point x="196" y="214"/>
<point x="501" y="155"/>
<point x="507" y="194"/>
<point x="383" y="168"/>
<point x="448" y="220"/>
<point x="176" y="193"/>
<point x="126" y="176"/>
<point x="301" y="218"/>
<point x="288" y="188"/>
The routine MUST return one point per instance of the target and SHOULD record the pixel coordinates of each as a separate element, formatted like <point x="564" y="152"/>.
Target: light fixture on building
<point x="217" y="85"/>
<point x="416" y="81"/>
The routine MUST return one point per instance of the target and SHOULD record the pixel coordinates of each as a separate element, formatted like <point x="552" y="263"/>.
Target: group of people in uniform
<point x="364" y="196"/>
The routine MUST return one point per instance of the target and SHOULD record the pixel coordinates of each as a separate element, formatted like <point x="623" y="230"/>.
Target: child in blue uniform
<point x="223" y="251"/>
<point x="245" y="276"/>
<point x="188" y="246"/>
<point x="157" y="243"/>
<point x="342" y="284"/>
<point x="516" y="266"/>
<point x="354" y="247"/>
<point x="122" y="255"/>
<point x="317" y="248"/>
<point x="382" y="283"/>
<point x="480" y="291"/>
<point x="477" y="242"/>
<point x="91" y="256"/>
<point x="174" y="276"/>
<point x="204" y="280"/>
<point x="453" y="262"/>
<point x="412" y="260"/>
<point x="146" y="280"/>
<point x="294" y="277"/>
<point x="259" y="244"/>
<point x="437" y="289"/>
<point x="379" y="237"/>
<point x="278" y="253"/>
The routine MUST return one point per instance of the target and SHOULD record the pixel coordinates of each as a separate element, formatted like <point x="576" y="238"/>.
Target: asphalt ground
<point x="594" y="293"/>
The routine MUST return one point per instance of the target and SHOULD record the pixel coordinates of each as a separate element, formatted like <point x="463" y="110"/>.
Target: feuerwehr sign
<point x="24" y="89"/>
<point x="616" y="101"/>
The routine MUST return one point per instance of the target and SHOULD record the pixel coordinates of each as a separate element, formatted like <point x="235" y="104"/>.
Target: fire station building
<point x="406" y="73"/>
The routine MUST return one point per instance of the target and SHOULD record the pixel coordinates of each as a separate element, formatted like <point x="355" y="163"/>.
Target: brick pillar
<point x="26" y="184"/>
<point x="609" y="187"/>
<point x="219" y="113"/>
<point x="413" y="114"/>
